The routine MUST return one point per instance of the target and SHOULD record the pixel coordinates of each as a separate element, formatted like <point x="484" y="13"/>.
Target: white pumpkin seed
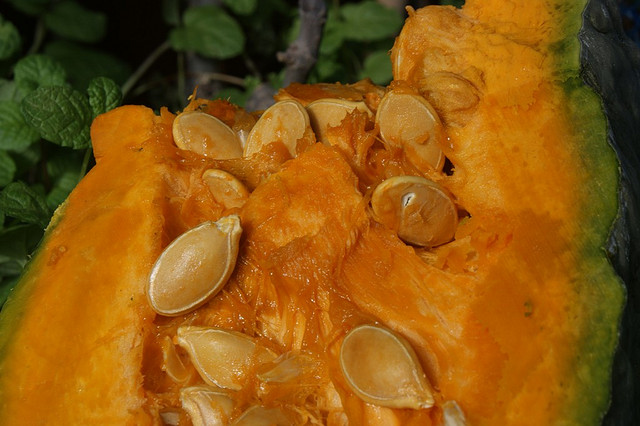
<point x="421" y="211"/>
<point x="382" y="368"/>
<point x="261" y="416"/>
<point x="452" y="414"/>
<point x="325" y="113"/>
<point x="409" y="122"/>
<point x="206" y="135"/>
<point x="206" y="406"/>
<point x="222" y="357"/>
<point x="226" y="188"/>
<point x="285" y="121"/>
<point x="194" y="267"/>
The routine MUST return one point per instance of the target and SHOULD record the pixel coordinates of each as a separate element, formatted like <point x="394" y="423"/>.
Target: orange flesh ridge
<point x="489" y="315"/>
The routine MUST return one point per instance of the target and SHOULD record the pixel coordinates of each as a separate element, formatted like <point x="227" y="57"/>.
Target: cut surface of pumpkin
<point x="353" y="294"/>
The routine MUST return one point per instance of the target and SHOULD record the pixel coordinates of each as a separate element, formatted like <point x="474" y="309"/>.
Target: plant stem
<point x="144" y="67"/>
<point x="38" y="37"/>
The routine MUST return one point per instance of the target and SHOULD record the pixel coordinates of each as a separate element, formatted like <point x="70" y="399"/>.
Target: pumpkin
<point x="426" y="253"/>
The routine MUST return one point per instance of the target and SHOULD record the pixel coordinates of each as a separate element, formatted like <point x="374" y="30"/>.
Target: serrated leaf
<point x="9" y="39"/>
<point x="30" y="7"/>
<point x="104" y="95"/>
<point x="35" y="71"/>
<point x="22" y="202"/>
<point x="15" y="133"/>
<point x="242" y="7"/>
<point x="7" y="168"/>
<point x="369" y="21"/>
<point x="71" y="20"/>
<point x="209" y="31"/>
<point x="377" y="66"/>
<point x="61" y="114"/>
<point x="83" y="64"/>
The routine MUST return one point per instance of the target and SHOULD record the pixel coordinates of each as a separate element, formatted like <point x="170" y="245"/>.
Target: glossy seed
<point x="409" y="122"/>
<point x="226" y="188"/>
<point x="452" y="414"/>
<point x="222" y="357"/>
<point x="261" y="416"/>
<point x="419" y="210"/>
<point x="206" y="135"/>
<point x="286" y="122"/>
<point x="326" y="113"/>
<point x="194" y="267"/>
<point x="171" y="362"/>
<point x="206" y="406"/>
<point x="383" y="369"/>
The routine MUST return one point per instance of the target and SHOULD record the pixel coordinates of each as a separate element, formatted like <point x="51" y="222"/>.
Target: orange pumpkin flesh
<point x="499" y="317"/>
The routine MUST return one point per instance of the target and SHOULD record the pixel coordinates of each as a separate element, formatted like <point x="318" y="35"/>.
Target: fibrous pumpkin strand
<point x="408" y="122"/>
<point x="382" y="368"/>
<point x="285" y="122"/>
<point x="206" y="135"/>
<point x="206" y="406"/>
<point x="420" y="210"/>
<point x="194" y="267"/>
<point x="223" y="358"/>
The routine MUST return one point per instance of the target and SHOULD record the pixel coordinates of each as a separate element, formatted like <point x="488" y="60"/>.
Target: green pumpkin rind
<point x="610" y="64"/>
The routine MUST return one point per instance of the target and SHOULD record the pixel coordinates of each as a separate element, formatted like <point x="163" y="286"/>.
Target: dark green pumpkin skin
<point x="611" y="66"/>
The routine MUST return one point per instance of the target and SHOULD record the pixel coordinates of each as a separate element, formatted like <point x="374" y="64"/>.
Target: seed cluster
<point x="377" y="364"/>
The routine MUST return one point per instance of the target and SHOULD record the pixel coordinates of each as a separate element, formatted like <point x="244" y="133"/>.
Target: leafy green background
<point x="63" y="62"/>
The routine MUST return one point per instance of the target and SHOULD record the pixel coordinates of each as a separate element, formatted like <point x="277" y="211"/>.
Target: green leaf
<point x="23" y="202"/>
<point x="104" y="95"/>
<point x="61" y="114"/>
<point x="35" y="71"/>
<point x="30" y="7"/>
<point x="332" y="34"/>
<point x="9" y="91"/>
<point x="83" y="64"/>
<point x="27" y="159"/>
<point x="209" y="31"/>
<point x="9" y="39"/>
<point x="242" y="7"/>
<point x="377" y="66"/>
<point x="7" y="168"/>
<point x="68" y="19"/>
<point x="62" y="188"/>
<point x="369" y="21"/>
<point x="15" y="133"/>
<point x="59" y="163"/>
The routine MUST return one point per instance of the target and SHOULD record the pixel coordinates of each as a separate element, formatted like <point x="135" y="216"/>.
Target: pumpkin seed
<point x="262" y="416"/>
<point x="171" y="362"/>
<point x="288" y="367"/>
<point x="226" y="188"/>
<point x="285" y="121"/>
<point x="383" y="369"/>
<point x="194" y="267"/>
<point x="206" y="406"/>
<point x="421" y="211"/>
<point x="206" y="135"/>
<point x="325" y="113"/>
<point x="409" y="122"/>
<point x="452" y="414"/>
<point x="222" y="357"/>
